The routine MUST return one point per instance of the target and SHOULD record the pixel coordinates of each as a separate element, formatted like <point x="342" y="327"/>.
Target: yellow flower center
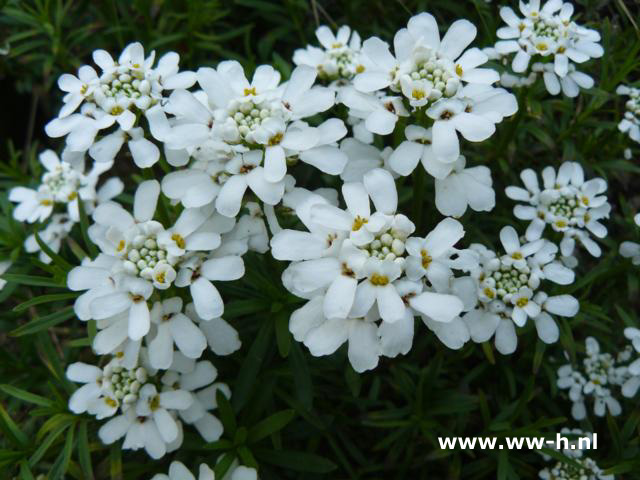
<point x="426" y="259"/>
<point x="179" y="240"/>
<point x="516" y="255"/>
<point x="358" y="222"/>
<point x="275" y="140"/>
<point x="250" y="91"/>
<point x="459" y="70"/>
<point x="379" y="280"/>
<point x="522" y="302"/>
<point x="121" y="245"/>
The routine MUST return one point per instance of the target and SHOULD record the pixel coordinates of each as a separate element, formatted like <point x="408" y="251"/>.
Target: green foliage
<point x="293" y="415"/>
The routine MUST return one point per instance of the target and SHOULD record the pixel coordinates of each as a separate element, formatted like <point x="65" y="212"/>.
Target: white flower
<point x="570" y="83"/>
<point x="197" y="379"/>
<point x="465" y="187"/>
<point x="173" y="327"/>
<point x="353" y="279"/>
<point x="52" y="235"/>
<point x="124" y="88"/>
<point x="549" y="32"/>
<point x="378" y="112"/>
<point x="177" y="471"/>
<point x="362" y="158"/>
<point x="338" y="59"/>
<point x="433" y="75"/>
<point x="587" y="470"/>
<point x="568" y="203"/>
<point x="509" y="293"/>
<point x="150" y="424"/>
<point x="630" y="124"/>
<point x="632" y="383"/>
<point x="62" y="183"/>
<point x="600" y="371"/>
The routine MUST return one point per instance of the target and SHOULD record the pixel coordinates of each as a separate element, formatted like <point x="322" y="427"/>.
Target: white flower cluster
<point x="145" y="408"/>
<point x="366" y="277"/>
<point x="587" y="468"/>
<point x="599" y="372"/>
<point x="231" y="145"/>
<point x="339" y="59"/>
<point x="510" y="290"/>
<point x="441" y="86"/>
<point x="567" y="202"/>
<point x="630" y="124"/>
<point x="64" y="184"/>
<point x="363" y="274"/>
<point x="177" y="471"/>
<point x="115" y="101"/>
<point x="548" y="34"/>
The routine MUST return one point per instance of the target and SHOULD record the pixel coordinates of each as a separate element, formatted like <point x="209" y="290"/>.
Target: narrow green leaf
<point x="47" y="442"/>
<point x="44" y="299"/>
<point x="32" y="280"/>
<point x="84" y="455"/>
<point x="11" y="429"/>
<point x="26" y="396"/>
<point x="84" y="228"/>
<point x="295" y="460"/>
<point x="61" y="464"/>
<point x="270" y="425"/>
<point x="56" y="259"/>
<point x="43" y="323"/>
<point x="225" y="413"/>
<point x="251" y="366"/>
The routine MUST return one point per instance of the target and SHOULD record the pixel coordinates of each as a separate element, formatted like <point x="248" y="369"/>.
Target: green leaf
<point x="61" y="464"/>
<point x="222" y="467"/>
<point x="55" y="258"/>
<point x="43" y="323"/>
<point x="301" y="376"/>
<point x="251" y="366"/>
<point x="270" y="425"/>
<point x="11" y="429"/>
<point x="283" y="336"/>
<point x="32" y="280"/>
<point x="44" y="299"/>
<point x="295" y="460"/>
<point x="25" y="471"/>
<point x="26" y="396"/>
<point x="48" y="441"/>
<point x="84" y="455"/>
<point x="84" y="228"/>
<point x="225" y="413"/>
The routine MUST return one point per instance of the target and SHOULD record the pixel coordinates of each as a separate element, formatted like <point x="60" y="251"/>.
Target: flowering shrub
<point x="415" y="197"/>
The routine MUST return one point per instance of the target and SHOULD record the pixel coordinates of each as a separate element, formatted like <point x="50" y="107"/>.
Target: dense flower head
<point x="547" y="33"/>
<point x="147" y="408"/>
<point x="630" y="124"/>
<point x="243" y="135"/>
<point x="63" y="183"/>
<point x="600" y="373"/>
<point x="339" y="57"/>
<point x="510" y="290"/>
<point x="587" y="469"/>
<point x="229" y="147"/>
<point x="139" y="255"/>
<point x="124" y="89"/>
<point x="365" y="276"/>
<point x="431" y="75"/>
<point x="569" y="204"/>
